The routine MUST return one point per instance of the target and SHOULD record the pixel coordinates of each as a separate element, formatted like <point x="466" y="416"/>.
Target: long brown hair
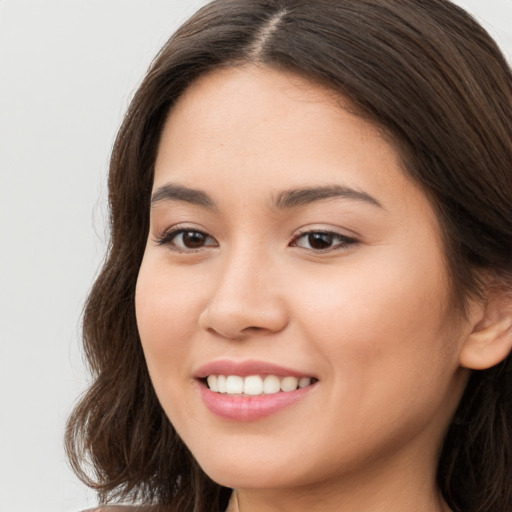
<point x="438" y="86"/>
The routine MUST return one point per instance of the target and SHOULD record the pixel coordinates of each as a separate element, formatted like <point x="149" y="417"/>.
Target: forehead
<point x="253" y="120"/>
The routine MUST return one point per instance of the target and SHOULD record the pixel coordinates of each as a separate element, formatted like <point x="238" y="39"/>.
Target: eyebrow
<point x="171" y="192"/>
<point x="302" y="196"/>
<point x="284" y="200"/>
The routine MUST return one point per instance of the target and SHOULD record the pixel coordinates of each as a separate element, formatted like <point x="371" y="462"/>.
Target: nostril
<point x="237" y="319"/>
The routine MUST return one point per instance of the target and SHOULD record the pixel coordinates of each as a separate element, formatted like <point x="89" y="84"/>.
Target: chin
<point x="250" y="477"/>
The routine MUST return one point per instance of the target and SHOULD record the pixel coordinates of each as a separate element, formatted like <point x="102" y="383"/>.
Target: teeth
<point x="212" y="382"/>
<point x="271" y="385"/>
<point x="221" y="384"/>
<point x="255" y="385"/>
<point x="234" y="385"/>
<point x="304" y="381"/>
<point x="289" y="384"/>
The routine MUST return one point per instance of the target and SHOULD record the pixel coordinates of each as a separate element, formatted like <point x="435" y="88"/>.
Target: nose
<point x="247" y="298"/>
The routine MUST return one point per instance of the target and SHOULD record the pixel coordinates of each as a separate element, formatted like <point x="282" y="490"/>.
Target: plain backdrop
<point x="68" y="69"/>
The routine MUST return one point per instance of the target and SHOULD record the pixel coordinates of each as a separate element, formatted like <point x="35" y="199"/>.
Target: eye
<point x="322" y="241"/>
<point x="187" y="239"/>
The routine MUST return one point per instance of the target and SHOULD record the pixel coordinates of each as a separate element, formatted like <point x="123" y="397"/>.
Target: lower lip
<point x="250" y="408"/>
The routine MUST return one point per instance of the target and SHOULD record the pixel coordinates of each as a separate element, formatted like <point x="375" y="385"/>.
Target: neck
<point x="384" y="488"/>
<point x="280" y="501"/>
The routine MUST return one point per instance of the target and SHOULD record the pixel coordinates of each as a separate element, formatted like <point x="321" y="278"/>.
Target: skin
<point x="371" y="319"/>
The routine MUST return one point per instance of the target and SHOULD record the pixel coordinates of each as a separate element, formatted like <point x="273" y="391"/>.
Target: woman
<point x="308" y="295"/>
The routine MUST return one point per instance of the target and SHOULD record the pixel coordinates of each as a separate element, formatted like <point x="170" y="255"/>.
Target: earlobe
<point x="490" y="341"/>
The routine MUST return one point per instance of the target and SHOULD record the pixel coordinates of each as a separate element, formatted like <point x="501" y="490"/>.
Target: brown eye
<point x="193" y="239"/>
<point x="322" y="241"/>
<point x="187" y="240"/>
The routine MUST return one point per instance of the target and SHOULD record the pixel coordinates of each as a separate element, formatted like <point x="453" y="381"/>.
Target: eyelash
<point x="168" y="237"/>
<point x="343" y="241"/>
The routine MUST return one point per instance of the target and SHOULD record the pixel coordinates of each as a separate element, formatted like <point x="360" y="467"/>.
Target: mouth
<point x="251" y="390"/>
<point x="255" y="385"/>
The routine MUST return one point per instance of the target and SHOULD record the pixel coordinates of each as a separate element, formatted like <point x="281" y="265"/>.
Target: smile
<point x="255" y="385"/>
<point x="251" y="390"/>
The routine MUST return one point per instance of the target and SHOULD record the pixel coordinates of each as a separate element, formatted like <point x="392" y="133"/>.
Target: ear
<point x="490" y="341"/>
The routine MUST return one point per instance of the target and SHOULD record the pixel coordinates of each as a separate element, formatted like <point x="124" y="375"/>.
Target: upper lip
<point x="246" y="368"/>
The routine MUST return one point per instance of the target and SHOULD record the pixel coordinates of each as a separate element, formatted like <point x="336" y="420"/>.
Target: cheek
<point x="167" y="308"/>
<point x="388" y="345"/>
<point x="166" y="305"/>
<point x="384" y="322"/>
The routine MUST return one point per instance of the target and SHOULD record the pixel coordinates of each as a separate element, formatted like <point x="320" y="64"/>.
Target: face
<point x="292" y="301"/>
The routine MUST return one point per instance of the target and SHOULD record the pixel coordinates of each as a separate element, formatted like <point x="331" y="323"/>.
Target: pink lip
<point x="246" y="368"/>
<point x="249" y="408"/>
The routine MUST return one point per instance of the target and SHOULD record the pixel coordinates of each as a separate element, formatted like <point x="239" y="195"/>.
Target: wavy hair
<point x="435" y="82"/>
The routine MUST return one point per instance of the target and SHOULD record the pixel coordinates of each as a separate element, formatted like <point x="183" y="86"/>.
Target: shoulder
<point x="118" y="508"/>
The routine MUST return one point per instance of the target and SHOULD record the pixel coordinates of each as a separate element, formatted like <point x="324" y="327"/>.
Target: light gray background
<point x="67" y="71"/>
